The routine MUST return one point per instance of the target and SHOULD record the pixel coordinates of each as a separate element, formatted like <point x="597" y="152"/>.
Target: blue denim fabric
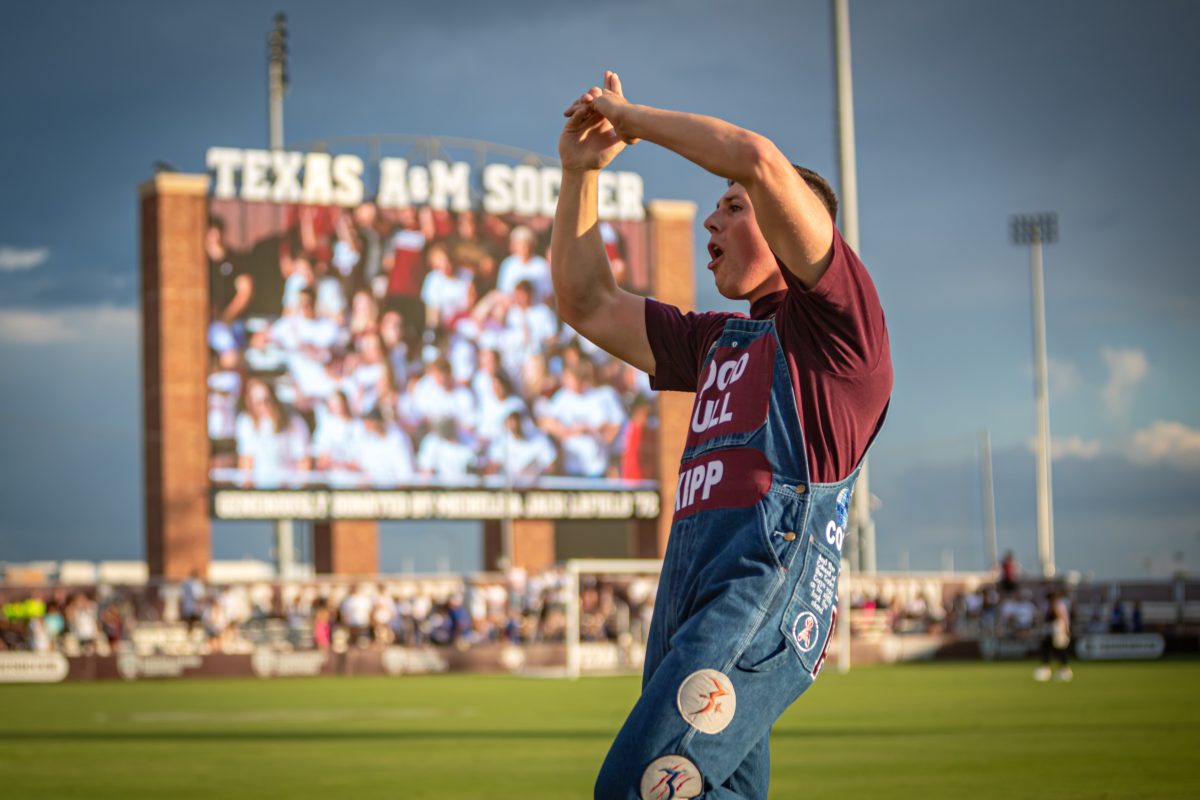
<point x="747" y="591"/>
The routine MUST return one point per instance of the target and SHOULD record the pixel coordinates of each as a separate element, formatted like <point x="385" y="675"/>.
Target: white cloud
<point x="1127" y="367"/>
<point x="16" y="259"/>
<point x="1064" y="447"/>
<point x="50" y="327"/>
<point x="1166" y="442"/>
<point x="1074" y="447"/>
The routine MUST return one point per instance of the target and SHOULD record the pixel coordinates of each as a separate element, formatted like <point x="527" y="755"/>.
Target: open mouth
<point x="714" y="255"/>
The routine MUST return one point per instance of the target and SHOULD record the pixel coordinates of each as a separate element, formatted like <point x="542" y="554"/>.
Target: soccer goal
<point x="609" y="604"/>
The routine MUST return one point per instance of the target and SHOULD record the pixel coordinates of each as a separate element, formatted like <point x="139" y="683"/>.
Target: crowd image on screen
<point x="376" y="348"/>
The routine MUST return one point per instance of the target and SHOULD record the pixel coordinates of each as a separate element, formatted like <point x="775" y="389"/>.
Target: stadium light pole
<point x="862" y="532"/>
<point x="1036" y="230"/>
<point x="989" y="498"/>
<point x="862" y="527"/>
<point x="277" y="79"/>
<point x="277" y="83"/>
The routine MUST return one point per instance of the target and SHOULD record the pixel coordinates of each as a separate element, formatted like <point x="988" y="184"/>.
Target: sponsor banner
<point x="1120" y="647"/>
<point x="406" y="661"/>
<point x="991" y="648"/>
<point x="33" y="667"/>
<point x="132" y="666"/>
<point x="435" y="504"/>
<point x="597" y="657"/>
<point x="302" y="663"/>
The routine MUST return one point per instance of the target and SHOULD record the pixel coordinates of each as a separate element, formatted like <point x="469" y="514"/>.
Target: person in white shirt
<point x="530" y="327"/>
<point x="333" y="440"/>
<point x="581" y="421"/>
<point x="383" y="452"/>
<point x="272" y="445"/>
<point x="435" y="398"/>
<point x="84" y="622"/>
<point x="501" y="402"/>
<point x="520" y="459"/>
<point x="306" y="340"/>
<point x="446" y="292"/>
<point x="370" y="378"/>
<point x="355" y="612"/>
<point x="443" y="457"/>
<point x="524" y="265"/>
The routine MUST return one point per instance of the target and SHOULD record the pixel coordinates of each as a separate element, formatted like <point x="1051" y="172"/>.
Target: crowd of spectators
<point x="412" y="346"/>
<point x="61" y="620"/>
<point x="196" y="617"/>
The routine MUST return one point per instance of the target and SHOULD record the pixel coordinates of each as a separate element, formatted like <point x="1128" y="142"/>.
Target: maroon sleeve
<point x="679" y="342"/>
<point x="840" y="319"/>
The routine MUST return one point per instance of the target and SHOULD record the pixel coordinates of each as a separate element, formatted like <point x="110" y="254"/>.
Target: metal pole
<point x="1037" y="230"/>
<point x="285" y="555"/>
<point x="845" y="124"/>
<point x="285" y="548"/>
<point x="277" y="80"/>
<point x="862" y="533"/>
<point x="1045" y="510"/>
<point x="989" y="499"/>
<point x="844" y="612"/>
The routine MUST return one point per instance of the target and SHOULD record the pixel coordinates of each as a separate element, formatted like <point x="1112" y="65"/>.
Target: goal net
<point x="609" y="605"/>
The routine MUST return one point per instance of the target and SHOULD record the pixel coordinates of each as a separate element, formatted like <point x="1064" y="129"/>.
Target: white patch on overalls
<point x="671" y="778"/>
<point x="707" y="701"/>
<point x="804" y="630"/>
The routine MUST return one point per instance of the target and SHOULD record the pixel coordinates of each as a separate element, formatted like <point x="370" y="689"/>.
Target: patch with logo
<point x="843" y="506"/>
<point x="736" y="478"/>
<point x="707" y="701"/>
<point x="825" y="650"/>
<point x="671" y="777"/>
<point x="734" y="391"/>
<point x="805" y="630"/>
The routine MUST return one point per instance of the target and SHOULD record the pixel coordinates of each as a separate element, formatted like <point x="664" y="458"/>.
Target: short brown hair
<point x="820" y="187"/>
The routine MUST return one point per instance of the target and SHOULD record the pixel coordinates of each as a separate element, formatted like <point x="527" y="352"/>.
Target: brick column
<point x="671" y="237"/>
<point x="174" y="299"/>
<point x="346" y="547"/>
<point x="533" y="544"/>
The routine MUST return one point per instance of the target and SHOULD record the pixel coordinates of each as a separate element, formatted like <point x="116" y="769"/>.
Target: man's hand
<point x="590" y="140"/>
<point x="610" y="103"/>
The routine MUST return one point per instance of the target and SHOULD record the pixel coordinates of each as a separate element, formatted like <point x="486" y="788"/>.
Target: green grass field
<point x="927" y="731"/>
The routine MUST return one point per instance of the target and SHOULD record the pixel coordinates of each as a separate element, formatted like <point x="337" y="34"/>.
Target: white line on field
<point x="284" y="715"/>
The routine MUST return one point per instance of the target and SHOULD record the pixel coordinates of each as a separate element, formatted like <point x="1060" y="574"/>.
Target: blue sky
<point x="965" y="113"/>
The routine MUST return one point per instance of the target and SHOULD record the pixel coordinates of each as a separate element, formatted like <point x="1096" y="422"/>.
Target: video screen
<point x="371" y="348"/>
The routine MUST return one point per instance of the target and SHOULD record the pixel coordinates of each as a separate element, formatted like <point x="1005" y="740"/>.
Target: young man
<point x="787" y="402"/>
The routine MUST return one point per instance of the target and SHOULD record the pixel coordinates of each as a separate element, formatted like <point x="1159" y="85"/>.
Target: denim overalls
<point x="747" y="600"/>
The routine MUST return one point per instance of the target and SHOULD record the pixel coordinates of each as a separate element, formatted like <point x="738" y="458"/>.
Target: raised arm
<point x="588" y="296"/>
<point x="793" y="220"/>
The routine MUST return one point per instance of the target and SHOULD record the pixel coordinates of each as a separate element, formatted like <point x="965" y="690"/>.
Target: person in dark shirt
<point x="232" y="288"/>
<point x="787" y="401"/>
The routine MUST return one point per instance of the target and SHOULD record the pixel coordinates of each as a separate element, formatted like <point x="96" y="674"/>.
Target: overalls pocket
<point x="771" y="647"/>
<point x="810" y="616"/>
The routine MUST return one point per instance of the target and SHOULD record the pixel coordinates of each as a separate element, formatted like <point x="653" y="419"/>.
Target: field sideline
<point x="929" y="731"/>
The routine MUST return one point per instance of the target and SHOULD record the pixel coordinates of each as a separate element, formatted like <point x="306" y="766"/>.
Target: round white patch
<point x="671" y="778"/>
<point x="805" y="630"/>
<point x="707" y="701"/>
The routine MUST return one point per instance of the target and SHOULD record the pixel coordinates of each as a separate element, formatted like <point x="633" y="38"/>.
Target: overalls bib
<point x="747" y="599"/>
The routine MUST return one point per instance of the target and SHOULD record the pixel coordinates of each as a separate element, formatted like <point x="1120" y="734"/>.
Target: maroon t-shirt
<point x="835" y="341"/>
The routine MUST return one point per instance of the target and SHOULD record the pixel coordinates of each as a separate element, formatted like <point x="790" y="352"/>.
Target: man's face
<point x="741" y="261"/>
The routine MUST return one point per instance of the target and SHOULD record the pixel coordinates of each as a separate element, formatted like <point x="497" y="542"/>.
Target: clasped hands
<point x="597" y="126"/>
